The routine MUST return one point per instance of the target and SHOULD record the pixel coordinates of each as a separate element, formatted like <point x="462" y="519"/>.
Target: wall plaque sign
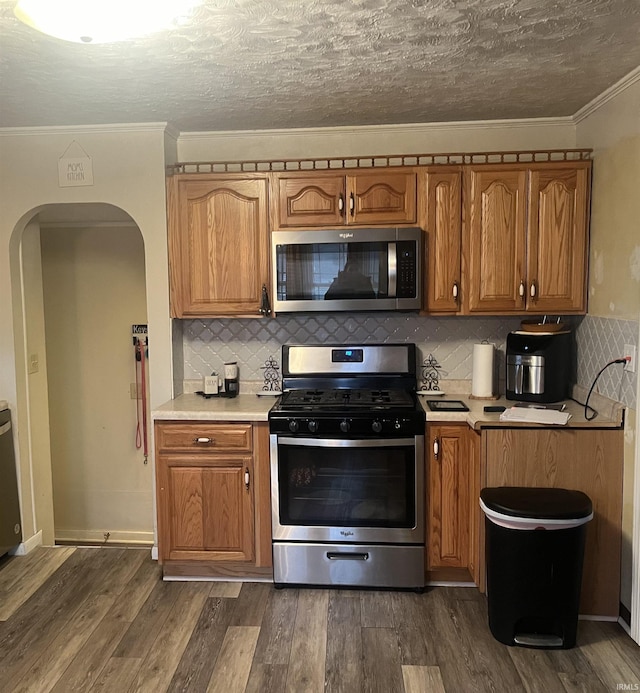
<point x="75" y="167"/>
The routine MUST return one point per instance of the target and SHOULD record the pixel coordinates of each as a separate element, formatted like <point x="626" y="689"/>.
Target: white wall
<point x="489" y="136"/>
<point x="94" y="290"/>
<point x="128" y="171"/>
<point x="613" y="131"/>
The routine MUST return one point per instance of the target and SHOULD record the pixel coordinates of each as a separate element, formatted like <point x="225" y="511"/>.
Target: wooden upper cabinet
<point x="381" y="198"/>
<point x="495" y="239"/>
<point x="218" y="245"/>
<point x="329" y="199"/>
<point x="440" y="211"/>
<point x="557" y="239"/>
<point x="527" y="238"/>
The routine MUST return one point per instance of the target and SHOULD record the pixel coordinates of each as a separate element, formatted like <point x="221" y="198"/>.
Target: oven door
<point x="347" y="491"/>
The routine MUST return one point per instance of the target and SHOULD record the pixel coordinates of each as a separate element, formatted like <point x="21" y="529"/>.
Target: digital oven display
<point x="347" y="355"/>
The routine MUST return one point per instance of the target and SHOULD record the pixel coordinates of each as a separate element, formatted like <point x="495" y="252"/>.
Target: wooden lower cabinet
<point x="588" y="460"/>
<point x="212" y="480"/>
<point x="453" y="481"/>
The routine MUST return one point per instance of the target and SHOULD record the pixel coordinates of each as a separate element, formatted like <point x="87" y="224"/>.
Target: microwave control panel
<point x="406" y="253"/>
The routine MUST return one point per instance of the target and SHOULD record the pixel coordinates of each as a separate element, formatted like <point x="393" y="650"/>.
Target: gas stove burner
<point x="341" y="398"/>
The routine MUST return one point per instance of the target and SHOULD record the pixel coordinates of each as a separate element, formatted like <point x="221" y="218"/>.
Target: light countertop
<point x="610" y="414"/>
<point x="197" y="408"/>
<point x="250" y="407"/>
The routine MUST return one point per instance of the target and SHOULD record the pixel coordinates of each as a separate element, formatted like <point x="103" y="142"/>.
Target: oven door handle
<point x="340" y="556"/>
<point x="340" y="443"/>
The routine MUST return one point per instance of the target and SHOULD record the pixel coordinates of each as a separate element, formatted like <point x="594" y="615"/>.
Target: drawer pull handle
<point x="436" y="448"/>
<point x="455" y="291"/>
<point x="203" y="441"/>
<point x="339" y="556"/>
<point x="247" y="478"/>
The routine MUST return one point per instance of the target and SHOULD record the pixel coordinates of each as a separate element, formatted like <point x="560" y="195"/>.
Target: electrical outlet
<point x="630" y="350"/>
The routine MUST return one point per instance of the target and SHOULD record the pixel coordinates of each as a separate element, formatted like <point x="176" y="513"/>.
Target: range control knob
<point x="312" y="426"/>
<point x="376" y="426"/>
<point x="345" y="426"/>
<point x="293" y="426"/>
<point x="397" y="425"/>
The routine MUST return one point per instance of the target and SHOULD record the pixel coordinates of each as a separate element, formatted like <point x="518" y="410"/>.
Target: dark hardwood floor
<point x="101" y="619"/>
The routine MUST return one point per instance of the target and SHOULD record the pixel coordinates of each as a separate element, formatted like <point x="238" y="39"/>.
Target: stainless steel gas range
<point x="347" y="468"/>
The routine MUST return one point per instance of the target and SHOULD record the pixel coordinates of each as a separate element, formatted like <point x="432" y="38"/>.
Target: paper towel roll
<point x="482" y="370"/>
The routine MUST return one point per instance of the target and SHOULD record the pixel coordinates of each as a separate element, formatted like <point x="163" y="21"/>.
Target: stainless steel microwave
<point x="350" y="269"/>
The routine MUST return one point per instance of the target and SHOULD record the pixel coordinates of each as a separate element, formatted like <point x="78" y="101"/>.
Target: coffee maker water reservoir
<point x="538" y="366"/>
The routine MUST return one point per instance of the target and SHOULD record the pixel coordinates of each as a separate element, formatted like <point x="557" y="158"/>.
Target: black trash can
<point x="534" y="554"/>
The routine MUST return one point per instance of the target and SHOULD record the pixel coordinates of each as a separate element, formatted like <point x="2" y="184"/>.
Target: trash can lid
<point x="535" y="502"/>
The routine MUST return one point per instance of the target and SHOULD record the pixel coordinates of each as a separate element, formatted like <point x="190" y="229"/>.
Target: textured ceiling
<point x="256" y="64"/>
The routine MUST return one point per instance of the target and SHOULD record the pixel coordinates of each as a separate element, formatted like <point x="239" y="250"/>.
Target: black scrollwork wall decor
<point x="430" y="374"/>
<point x="271" y="375"/>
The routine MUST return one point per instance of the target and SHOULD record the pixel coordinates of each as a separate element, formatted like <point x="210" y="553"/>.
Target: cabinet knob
<point x="521" y="289"/>
<point x="455" y="290"/>
<point x="352" y="205"/>
<point x="436" y="448"/>
<point x="340" y="203"/>
<point x="532" y="290"/>
<point x="247" y="478"/>
<point x="203" y="441"/>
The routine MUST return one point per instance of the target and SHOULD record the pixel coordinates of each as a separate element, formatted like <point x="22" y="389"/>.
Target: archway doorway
<point x="91" y="274"/>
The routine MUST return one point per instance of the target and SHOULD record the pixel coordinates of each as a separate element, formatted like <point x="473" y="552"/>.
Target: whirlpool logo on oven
<point x="346" y="534"/>
<point x="346" y="235"/>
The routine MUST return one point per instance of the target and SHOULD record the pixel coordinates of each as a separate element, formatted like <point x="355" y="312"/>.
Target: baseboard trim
<point x="99" y="538"/>
<point x="27" y="546"/>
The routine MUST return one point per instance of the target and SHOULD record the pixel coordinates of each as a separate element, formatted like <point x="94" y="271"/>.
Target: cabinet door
<point x="448" y="542"/>
<point x="443" y="228"/>
<point x="310" y="200"/>
<point x="587" y="460"/>
<point x="557" y="238"/>
<point x="495" y="279"/>
<point x="382" y="198"/>
<point x="218" y="246"/>
<point x="205" y="508"/>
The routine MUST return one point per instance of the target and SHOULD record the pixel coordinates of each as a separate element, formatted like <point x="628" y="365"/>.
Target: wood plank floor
<point x="101" y="619"/>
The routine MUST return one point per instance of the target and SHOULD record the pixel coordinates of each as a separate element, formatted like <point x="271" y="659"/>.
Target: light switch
<point x="34" y="366"/>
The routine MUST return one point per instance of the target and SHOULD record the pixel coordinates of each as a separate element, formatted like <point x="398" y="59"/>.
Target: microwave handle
<point x="392" y="264"/>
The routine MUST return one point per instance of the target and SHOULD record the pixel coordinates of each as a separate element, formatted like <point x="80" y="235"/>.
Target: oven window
<point x="347" y="487"/>
<point x="332" y="271"/>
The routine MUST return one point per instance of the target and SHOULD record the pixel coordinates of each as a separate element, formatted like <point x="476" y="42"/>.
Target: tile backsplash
<point x="206" y="343"/>
<point x="600" y="340"/>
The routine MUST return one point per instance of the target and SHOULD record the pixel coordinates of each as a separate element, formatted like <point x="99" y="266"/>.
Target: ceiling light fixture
<point x="101" y="21"/>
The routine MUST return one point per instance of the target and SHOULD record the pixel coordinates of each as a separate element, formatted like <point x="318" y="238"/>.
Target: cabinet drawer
<point x="205" y="437"/>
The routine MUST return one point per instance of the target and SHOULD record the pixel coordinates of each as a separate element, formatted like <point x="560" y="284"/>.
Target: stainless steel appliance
<point x="538" y="366"/>
<point x="347" y="269"/>
<point x="10" y="528"/>
<point x="347" y="468"/>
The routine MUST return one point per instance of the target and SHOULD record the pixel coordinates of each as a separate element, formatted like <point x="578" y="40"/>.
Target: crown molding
<point x="87" y="129"/>
<point x="606" y="96"/>
<point x="406" y="128"/>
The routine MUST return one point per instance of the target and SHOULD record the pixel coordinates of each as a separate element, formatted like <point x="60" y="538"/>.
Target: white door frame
<point x="635" y="548"/>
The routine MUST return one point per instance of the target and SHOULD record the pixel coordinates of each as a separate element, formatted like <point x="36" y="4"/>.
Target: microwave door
<point x="392" y="268"/>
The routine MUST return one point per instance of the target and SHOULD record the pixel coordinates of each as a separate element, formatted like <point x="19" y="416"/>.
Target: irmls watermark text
<point x="628" y="686"/>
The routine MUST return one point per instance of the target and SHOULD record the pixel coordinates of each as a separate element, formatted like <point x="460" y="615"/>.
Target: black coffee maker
<point x="538" y="366"/>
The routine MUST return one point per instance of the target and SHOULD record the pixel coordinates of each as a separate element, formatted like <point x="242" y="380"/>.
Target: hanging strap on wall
<point x="141" y="350"/>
